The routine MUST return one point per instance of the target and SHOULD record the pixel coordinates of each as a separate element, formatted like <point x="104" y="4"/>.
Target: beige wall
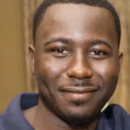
<point x="12" y="62"/>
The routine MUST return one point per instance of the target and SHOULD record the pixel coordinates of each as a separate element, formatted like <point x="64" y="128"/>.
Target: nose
<point x="79" y="68"/>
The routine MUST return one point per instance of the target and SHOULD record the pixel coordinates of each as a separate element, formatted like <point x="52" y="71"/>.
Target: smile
<point x="78" y="89"/>
<point x="78" y="94"/>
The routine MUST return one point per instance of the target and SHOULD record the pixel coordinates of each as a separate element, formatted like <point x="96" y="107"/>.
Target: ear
<point x="120" y="59"/>
<point x="31" y="51"/>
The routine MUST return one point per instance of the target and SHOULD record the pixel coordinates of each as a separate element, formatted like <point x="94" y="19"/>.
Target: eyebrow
<point x="97" y="41"/>
<point x="68" y="41"/>
<point x="63" y="40"/>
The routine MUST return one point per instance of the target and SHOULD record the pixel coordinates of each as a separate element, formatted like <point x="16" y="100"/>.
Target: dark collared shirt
<point x="113" y="118"/>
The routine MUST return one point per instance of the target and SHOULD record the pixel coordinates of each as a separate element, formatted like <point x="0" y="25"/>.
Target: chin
<point x="76" y="121"/>
<point x="79" y="116"/>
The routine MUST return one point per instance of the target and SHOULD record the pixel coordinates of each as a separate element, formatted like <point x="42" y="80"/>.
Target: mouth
<point x="79" y="89"/>
<point x="78" y="94"/>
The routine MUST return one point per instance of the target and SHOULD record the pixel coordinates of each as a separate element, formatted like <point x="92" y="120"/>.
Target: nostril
<point x="80" y="72"/>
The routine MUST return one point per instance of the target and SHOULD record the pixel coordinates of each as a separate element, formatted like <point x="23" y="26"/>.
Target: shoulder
<point x="1" y="123"/>
<point x="13" y="118"/>
<point x="116" y="117"/>
<point x="115" y="110"/>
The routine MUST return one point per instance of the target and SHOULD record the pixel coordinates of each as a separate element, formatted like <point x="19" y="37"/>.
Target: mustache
<point x="81" y="83"/>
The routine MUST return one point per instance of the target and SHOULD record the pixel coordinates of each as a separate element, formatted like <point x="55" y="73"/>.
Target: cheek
<point x="107" y="72"/>
<point x="108" y="67"/>
<point x="49" y="69"/>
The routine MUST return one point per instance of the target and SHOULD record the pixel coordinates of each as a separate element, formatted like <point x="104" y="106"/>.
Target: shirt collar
<point x="114" y="117"/>
<point x="13" y="117"/>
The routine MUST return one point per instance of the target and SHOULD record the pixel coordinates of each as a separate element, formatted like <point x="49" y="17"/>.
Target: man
<point x="76" y="61"/>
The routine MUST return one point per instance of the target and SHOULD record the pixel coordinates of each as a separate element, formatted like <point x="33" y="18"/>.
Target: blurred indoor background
<point x="15" y="36"/>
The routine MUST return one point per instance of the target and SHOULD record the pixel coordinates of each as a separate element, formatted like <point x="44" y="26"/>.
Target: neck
<point x="42" y="119"/>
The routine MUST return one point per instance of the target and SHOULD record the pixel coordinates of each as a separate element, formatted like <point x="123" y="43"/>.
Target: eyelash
<point x="59" y="50"/>
<point x="99" y="52"/>
<point x="63" y="52"/>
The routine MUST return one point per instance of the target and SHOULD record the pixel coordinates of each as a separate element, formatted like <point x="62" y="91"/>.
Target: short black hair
<point x="38" y="17"/>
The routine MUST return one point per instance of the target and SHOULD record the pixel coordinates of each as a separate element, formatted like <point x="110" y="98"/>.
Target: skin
<point x="76" y="63"/>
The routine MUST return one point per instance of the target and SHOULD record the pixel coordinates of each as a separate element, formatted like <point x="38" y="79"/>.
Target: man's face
<point x="76" y="59"/>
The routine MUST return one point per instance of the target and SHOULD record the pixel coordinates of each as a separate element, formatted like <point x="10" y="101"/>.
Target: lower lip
<point x="78" y="97"/>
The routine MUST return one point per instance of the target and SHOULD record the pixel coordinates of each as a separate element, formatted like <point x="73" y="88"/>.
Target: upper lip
<point x="79" y="89"/>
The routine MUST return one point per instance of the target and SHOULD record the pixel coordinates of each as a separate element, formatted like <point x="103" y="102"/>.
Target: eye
<point x="60" y="50"/>
<point x="99" y="53"/>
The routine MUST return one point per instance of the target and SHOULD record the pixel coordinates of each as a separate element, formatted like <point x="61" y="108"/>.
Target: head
<point x="75" y="57"/>
<point x="38" y="17"/>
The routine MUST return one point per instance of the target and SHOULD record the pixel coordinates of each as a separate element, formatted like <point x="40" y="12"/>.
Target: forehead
<point x="77" y="20"/>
